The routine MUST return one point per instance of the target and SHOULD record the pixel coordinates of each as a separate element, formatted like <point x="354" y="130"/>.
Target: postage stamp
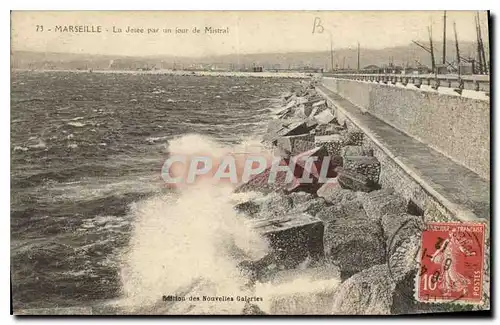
<point x="451" y="263"/>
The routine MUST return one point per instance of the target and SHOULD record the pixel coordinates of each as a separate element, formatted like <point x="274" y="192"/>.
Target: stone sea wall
<point x="367" y="226"/>
<point x="458" y="127"/>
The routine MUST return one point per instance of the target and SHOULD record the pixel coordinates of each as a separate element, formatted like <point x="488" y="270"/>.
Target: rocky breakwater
<point x="355" y="242"/>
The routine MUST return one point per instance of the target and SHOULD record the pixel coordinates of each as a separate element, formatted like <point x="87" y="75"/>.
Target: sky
<point x="248" y="31"/>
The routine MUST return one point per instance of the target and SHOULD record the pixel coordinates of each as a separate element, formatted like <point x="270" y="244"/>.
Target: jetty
<point x="404" y="157"/>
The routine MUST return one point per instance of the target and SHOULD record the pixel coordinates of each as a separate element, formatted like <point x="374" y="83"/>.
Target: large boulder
<point x="296" y="144"/>
<point x="356" y="151"/>
<point x="319" y="103"/>
<point x="335" y="194"/>
<point x="269" y="206"/>
<point x="375" y="292"/>
<point x="352" y="241"/>
<point x="263" y="183"/>
<point x="355" y="181"/>
<point x="279" y="128"/>
<point x="333" y="143"/>
<point x="324" y="117"/>
<point x="294" y="128"/>
<point x="402" y="233"/>
<point x="293" y="238"/>
<point x="311" y="124"/>
<point x="379" y="203"/>
<point x="312" y="207"/>
<point x="328" y="129"/>
<point x="366" y="165"/>
<point x="249" y="208"/>
<point x="368" y="292"/>
<point x="274" y="204"/>
<point x="353" y="137"/>
<point x="252" y="309"/>
<point x="301" y="100"/>
<point x="300" y="198"/>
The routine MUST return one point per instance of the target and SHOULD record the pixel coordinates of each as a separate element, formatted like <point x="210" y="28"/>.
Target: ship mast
<point x="481" y="45"/>
<point x="478" y="47"/>
<point x="457" y="49"/>
<point x="331" y="51"/>
<point x="358" y="56"/>
<point x="444" y="38"/>
<point x="433" y="62"/>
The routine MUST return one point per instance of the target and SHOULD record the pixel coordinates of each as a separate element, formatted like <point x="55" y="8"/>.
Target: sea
<point x="92" y="221"/>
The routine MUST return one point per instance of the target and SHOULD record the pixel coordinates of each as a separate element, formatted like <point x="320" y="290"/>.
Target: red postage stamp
<point x="451" y="263"/>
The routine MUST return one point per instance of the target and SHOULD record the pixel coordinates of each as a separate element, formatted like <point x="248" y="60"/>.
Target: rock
<point x="352" y="240"/>
<point x="311" y="123"/>
<point x="335" y="194"/>
<point x="313" y="173"/>
<point x="312" y="207"/>
<point x="333" y="143"/>
<point x="356" y="151"/>
<point x="249" y="208"/>
<point x="369" y="292"/>
<point x="282" y="111"/>
<point x="301" y="145"/>
<point x="262" y="182"/>
<point x="293" y="238"/>
<point x="315" y="97"/>
<point x="279" y="128"/>
<point x="296" y="143"/>
<point x="378" y="203"/>
<point x="274" y="204"/>
<point x="402" y="233"/>
<point x="300" y="197"/>
<point x="252" y="309"/>
<point x="354" y="138"/>
<point x="300" y="112"/>
<point x="355" y="181"/>
<point x="294" y="128"/>
<point x="324" y="117"/>
<point x="301" y="100"/>
<point x="320" y="103"/>
<point x="328" y="129"/>
<point x="314" y="111"/>
<point x="368" y="166"/>
<point x="273" y="126"/>
<point x="318" y="109"/>
<point x="374" y="292"/>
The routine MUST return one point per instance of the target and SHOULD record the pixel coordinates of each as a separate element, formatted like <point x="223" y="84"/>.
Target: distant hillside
<point x="400" y="55"/>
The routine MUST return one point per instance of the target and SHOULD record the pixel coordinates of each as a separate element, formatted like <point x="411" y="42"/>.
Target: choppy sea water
<point x="89" y="211"/>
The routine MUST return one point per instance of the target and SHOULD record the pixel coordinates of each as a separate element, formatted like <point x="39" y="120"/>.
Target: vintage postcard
<point x="250" y="162"/>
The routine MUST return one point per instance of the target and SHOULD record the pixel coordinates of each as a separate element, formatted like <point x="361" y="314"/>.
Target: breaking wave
<point x="192" y="234"/>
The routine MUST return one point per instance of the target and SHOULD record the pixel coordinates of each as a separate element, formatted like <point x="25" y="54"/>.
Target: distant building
<point x="442" y="69"/>
<point x="372" y="68"/>
<point x="466" y="68"/>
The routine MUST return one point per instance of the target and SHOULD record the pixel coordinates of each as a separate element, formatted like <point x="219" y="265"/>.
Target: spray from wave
<point x="190" y="237"/>
<point x="189" y="243"/>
